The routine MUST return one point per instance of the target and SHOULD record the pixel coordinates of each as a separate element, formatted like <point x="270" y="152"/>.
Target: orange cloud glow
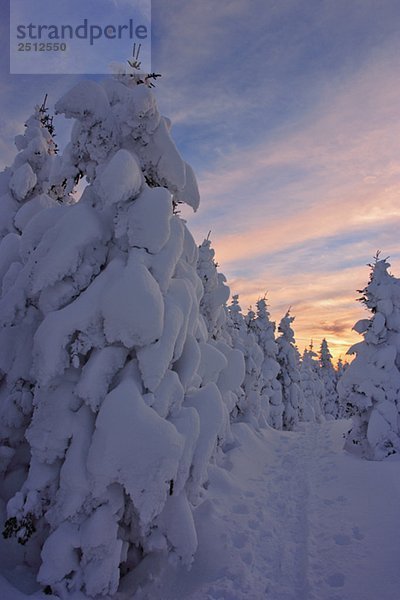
<point x="301" y="214"/>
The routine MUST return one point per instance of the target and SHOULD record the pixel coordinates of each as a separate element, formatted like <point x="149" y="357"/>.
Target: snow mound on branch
<point x="51" y="425"/>
<point x="164" y="154"/>
<point x="31" y="209"/>
<point x="176" y="522"/>
<point x="54" y="334"/>
<point x="127" y="428"/>
<point x="155" y="359"/>
<point x="37" y="228"/>
<point x="190" y="193"/>
<point x="212" y="363"/>
<point x="382" y="423"/>
<point x="121" y="180"/>
<point x="98" y="373"/>
<point x="22" y="181"/>
<point x="56" y="257"/>
<point x="86" y="98"/>
<point x="168" y="396"/>
<point x="149" y="220"/>
<point x="208" y="403"/>
<point x="232" y="375"/>
<point x="9" y="252"/>
<point x="188" y="363"/>
<point x="133" y="307"/>
<point x="9" y="206"/>
<point x="163" y="265"/>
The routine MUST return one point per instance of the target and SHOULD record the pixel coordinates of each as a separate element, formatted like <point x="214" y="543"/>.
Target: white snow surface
<point x="125" y="428"/>
<point x="86" y="98"/>
<point x="288" y="516"/>
<point x="291" y="517"/>
<point x="22" y="181"/>
<point x="121" y="179"/>
<point x="149" y="220"/>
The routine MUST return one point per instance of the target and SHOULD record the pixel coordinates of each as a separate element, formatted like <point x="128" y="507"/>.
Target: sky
<point x="288" y="111"/>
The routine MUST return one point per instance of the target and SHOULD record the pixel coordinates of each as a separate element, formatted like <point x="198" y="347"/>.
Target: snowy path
<point x="295" y="519"/>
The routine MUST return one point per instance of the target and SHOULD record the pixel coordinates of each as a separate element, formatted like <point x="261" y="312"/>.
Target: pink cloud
<point x="347" y="154"/>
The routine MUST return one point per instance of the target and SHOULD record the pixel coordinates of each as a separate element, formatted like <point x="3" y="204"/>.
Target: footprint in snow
<point x="253" y="524"/>
<point x="240" y="509"/>
<point x="336" y="580"/>
<point x="341" y="499"/>
<point x="239" y="540"/>
<point x="341" y="539"/>
<point x="247" y="558"/>
<point x="357" y="533"/>
<point x="328" y="502"/>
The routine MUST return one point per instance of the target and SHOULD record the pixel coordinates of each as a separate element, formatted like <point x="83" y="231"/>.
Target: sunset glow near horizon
<point x="289" y="115"/>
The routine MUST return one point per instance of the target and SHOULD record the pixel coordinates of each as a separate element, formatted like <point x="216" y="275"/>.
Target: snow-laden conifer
<point x="328" y="376"/>
<point x="271" y="390"/>
<point x="243" y="339"/>
<point x="289" y="375"/>
<point x="340" y="369"/>
<point x="253" y="383"/>
<point x="213" y="310"/>
<point x="216" y="292"/>
<point x="24" y="188"/>
<point x="123" y="410"/>
<point x="28" y="177"/>
<point x="370" y="386"/>
<point x="311" y="386"/>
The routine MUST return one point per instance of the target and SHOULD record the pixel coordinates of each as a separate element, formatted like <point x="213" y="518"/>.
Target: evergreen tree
<point x="370" y="386"/>
<point x="253" y="383"/>
<point x="216" y="292"/>
<point x="28" y="177"/>
<point x="24" y="198"/>
<point x="213" y="310"/>
<point x="289" y="375"/>
<point x="271" y="391"/>
<point x="243" y="339"/>
<point x="310" y="386"/>
<point x="340" y="369"/>
<point x="329" y="379"/>
<point x="122" y="413"/>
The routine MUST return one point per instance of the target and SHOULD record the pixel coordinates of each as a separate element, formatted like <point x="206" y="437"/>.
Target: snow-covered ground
<point x="290" y="517"/>
<point x="296" y="518"/>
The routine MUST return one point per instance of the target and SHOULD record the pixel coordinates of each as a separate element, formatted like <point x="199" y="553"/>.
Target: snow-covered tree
<point x="311" y="410"/>
<point x="328" y="375"/>
<point x="243" y="339"/>
<point x="214" y="312"/>
<point x="271" y="390"/>
<point x="216" y="292"/>
<point x="340" y="369"/>
<point x="28" y="177"/>
<point x="289" y="375"/>
<point x="370" y="386"/>
<point x="24" y="188"/>
<point x="122" y="413"/>
<point x="253" y="383"/>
